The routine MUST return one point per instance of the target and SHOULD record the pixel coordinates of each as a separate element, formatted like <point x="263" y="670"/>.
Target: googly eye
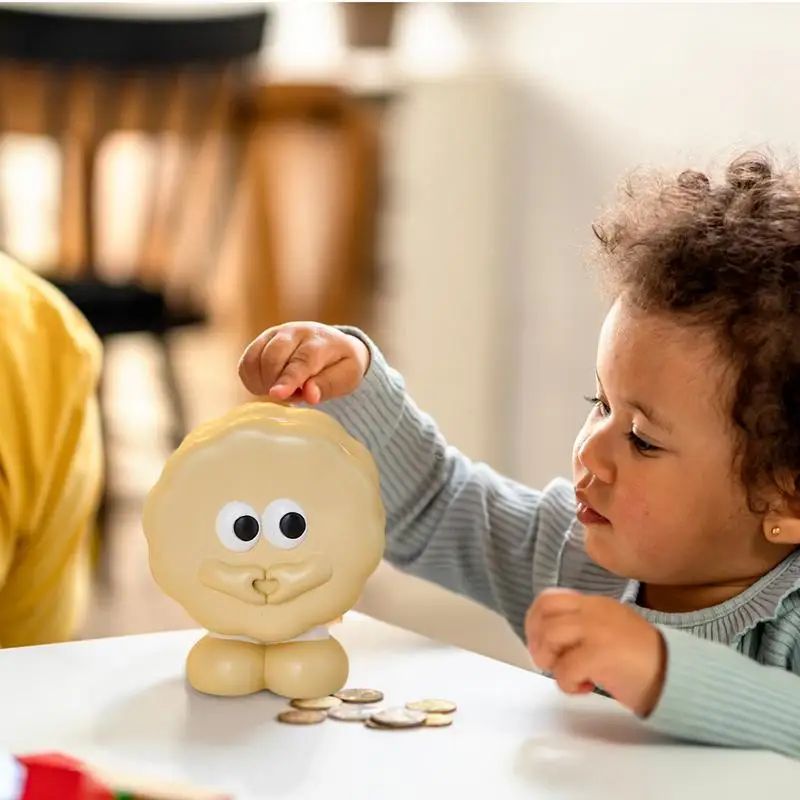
<point x="284" y="524"/>
<point x="238" y="527"/>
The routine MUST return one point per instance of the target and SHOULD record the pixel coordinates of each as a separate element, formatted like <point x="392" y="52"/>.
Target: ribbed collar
<point x="729" y="621"/>
<point x="726" y="622"/>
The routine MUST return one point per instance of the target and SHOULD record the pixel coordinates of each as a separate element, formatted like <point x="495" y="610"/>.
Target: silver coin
<point x="399" y="718"/>
<point x="352" y="713"/>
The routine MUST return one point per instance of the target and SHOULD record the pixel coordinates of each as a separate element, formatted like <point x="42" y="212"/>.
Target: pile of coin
<point x="363" y="705"/>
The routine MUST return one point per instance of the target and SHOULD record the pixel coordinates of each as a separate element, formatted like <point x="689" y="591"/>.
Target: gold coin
<point x="438" y="720"/>
<point x="352" y="713"/>
<point x="432" y="706"/>
<point x="300" y="716"/>
<point x="316" y="703"/>
<point x="360" y="696"/>
<point x="399" y="718"/>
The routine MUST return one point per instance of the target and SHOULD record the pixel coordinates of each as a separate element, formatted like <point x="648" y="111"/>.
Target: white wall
<point x="450" y="274"/>
<point x="609" y="86"/>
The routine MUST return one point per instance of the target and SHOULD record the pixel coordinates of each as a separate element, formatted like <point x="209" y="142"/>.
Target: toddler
<point x="666" y="573"/>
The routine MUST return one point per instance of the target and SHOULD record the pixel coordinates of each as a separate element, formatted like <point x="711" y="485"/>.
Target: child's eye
<point x="599" y="404"/>
<point x="640" y="445"/>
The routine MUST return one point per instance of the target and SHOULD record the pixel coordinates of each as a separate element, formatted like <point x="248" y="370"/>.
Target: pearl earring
<point x="776" y="531"/>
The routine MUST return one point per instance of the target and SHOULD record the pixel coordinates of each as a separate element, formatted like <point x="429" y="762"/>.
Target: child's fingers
<point x="554" y="638"/>
<point x="249" y="367"/>
<point x="572" y="671"/>
<point x="311" y="392"/>
<point x="300" y="363"/>
<point x="265" y="357"/>
<point x="335" y="380"/>
<point x="305" y="362"/>
<point x="274" y="360"/>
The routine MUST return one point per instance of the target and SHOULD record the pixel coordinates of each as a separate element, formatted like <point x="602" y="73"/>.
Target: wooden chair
<point x="312" y="167"/>
<point x="84" y="82"/>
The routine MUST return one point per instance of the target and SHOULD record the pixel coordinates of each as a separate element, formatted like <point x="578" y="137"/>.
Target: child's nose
<point x="594" y="455"/>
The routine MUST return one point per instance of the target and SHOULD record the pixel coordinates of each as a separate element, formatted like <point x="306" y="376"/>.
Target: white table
<point x="122" y="704"/>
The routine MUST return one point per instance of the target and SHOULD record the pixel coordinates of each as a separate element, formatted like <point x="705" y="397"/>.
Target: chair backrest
<point x="142" y="116"/>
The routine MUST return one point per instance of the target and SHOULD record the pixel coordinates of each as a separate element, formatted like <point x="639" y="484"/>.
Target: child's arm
<point x="449" y="520"/>
<point x="715" y="695"/>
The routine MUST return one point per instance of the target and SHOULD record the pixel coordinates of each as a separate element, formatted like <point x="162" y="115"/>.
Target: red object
<point x="54" y="775"/>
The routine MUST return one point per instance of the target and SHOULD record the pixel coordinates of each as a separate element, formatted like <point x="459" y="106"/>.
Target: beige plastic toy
<point x="265" y="525"/>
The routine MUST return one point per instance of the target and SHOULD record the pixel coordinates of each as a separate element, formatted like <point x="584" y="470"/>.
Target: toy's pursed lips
<point x="272" y="586"/>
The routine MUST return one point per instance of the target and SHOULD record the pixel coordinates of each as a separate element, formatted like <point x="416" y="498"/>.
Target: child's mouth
<point x="588" y="516"/>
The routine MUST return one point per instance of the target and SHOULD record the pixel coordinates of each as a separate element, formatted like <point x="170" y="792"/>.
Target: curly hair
<point x="725" y="256"/>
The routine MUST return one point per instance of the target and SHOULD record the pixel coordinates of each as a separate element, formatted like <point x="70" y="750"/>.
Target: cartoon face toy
<point x="265" y="525"/>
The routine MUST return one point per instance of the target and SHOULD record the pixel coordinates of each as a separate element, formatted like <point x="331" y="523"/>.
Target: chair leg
<point x="175" y="398"/>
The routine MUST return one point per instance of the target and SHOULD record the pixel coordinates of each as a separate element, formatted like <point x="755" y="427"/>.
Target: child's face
<point x="655" y="458"/>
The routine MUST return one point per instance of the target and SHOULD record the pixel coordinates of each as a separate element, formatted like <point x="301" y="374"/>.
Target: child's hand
<point x="585" y="641"/>
<point x="303" y="361"/>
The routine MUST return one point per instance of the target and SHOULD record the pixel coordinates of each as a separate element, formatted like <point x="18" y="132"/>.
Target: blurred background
<point x="190" y="173"/>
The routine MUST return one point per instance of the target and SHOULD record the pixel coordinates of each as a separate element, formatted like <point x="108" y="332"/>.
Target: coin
<point x="399" y="718"/>
<point x="300" y="716"/>
<point x="438" y="720"/>
<point x="352" y="713"/>
<point x="433" y="706"/>
<point x="360" y="695"/>
<point x="316" y="703"/>
<point x="375" y="726"/>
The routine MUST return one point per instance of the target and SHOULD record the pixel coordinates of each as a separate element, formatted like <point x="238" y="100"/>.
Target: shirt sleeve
<point x="50" y="459"/>
<point x="450" y="520"/>
<point x="717" y="696"/>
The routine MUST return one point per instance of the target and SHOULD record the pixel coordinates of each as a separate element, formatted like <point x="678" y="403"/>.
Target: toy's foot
<point x="225" y="667"/>
<point x="301" y="670"/>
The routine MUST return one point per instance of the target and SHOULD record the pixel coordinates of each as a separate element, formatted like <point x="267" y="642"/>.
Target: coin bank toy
<point x="265" y="525"/>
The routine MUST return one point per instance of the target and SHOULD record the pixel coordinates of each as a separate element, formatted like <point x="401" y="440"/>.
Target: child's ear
<point x="782" y="528"/>
<point x="781" y="524"/>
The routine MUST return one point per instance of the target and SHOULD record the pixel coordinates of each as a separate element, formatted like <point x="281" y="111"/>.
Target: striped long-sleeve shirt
<point x="733" y="671"/>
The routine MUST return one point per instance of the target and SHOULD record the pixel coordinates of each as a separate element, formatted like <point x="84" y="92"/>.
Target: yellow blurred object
<point x="51" y="459"/>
